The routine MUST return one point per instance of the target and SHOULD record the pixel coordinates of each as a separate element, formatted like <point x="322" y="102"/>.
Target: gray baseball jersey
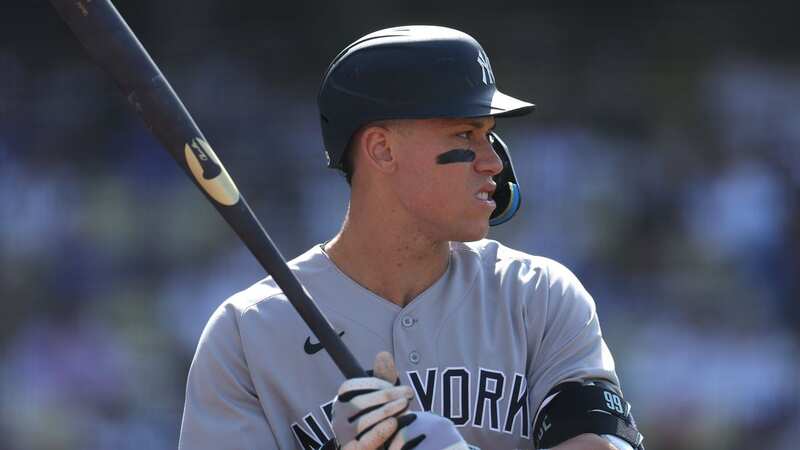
<point x="482" y="346"/>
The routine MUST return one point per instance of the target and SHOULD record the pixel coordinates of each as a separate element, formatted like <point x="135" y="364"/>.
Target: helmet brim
<point x="507" y="106"/>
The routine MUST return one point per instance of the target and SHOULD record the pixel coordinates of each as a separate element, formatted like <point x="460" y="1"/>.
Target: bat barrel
<point x="111" y="43"/>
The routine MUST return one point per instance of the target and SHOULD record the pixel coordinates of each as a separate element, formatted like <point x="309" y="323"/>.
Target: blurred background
<point x="662" y="166"/>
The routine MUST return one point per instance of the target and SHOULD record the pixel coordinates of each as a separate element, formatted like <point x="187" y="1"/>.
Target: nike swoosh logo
<point x="315" y="347"/>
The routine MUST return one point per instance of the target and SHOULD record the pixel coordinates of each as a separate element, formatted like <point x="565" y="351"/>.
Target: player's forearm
<point x="586" y="441"/>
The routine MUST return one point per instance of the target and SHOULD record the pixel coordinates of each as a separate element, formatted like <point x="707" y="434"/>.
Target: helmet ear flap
<point x="507" y="197"/>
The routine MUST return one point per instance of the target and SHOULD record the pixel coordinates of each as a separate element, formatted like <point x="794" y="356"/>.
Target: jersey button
<point x="413" y="357"/>
<point x="407" y="321"/>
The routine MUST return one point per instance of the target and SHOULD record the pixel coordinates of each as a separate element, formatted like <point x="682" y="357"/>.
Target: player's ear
<point x="376" y="148"/>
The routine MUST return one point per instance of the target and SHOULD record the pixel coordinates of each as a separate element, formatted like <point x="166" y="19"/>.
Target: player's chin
<point x="474" y="231"/>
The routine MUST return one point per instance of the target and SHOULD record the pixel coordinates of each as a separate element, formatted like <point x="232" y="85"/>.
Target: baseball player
<point x="472" y="344"/>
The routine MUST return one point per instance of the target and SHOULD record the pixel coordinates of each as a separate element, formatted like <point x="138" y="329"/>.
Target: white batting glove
<point x="365" y="408"/>
<point x="426" y="431"/>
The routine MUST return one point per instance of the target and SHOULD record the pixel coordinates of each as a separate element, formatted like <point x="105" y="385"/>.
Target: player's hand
<point x="365" y="408"/>
<point x="426" y="431"/>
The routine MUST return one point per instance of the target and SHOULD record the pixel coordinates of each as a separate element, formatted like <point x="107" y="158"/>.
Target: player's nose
<point x="488" y="162"/>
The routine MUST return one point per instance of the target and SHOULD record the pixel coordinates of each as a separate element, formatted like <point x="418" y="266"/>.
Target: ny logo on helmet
<point x="486" y="69"/>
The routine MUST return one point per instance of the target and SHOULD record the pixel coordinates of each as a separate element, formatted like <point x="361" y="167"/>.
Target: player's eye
<point x="463" y="135"/>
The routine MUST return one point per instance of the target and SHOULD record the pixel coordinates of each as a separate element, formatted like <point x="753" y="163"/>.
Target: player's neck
<point x="388" y="260"/>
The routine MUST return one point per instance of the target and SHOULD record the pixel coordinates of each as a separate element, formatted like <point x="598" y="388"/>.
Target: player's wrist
<point x="587" y="441"/>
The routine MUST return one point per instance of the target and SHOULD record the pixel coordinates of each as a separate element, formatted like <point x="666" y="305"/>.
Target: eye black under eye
<point x="456" y="155"/>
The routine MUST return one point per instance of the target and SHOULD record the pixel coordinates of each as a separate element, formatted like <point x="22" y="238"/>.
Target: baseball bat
<point x="110" y="42"/>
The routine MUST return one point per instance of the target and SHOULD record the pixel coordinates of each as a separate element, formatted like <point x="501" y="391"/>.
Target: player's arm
<point x="587" y="441"/>
<point x="222" y="410"/>
<point x="574" y="386"/>
<point x="592" y="410"/>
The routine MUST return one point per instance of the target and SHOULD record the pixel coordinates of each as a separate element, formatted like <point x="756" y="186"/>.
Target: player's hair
<point x="347" y="161"/>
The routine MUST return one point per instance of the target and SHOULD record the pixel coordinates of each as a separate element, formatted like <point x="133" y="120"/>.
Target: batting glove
<point x="426" y="431"/>
<point x="365" y="408"/>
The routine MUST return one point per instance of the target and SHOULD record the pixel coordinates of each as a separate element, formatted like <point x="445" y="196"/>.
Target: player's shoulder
<point x="267" y="294"/>
<point x="545" y="282"/>
<point x="248" y="314"/>
<point x="543" y="278"/>
<point x="494" y="257"/>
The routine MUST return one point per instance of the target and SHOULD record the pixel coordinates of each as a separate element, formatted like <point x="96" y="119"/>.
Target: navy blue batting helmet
<point x="415" y="72"/>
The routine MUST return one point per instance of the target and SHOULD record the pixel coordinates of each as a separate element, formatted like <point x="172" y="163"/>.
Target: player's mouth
<point x="485" y="196"/>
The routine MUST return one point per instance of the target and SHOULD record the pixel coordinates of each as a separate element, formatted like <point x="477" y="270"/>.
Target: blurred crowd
<point x="662" y="167"/>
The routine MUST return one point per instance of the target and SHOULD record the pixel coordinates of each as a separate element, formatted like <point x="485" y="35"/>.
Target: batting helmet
<point x="415" y="72"/>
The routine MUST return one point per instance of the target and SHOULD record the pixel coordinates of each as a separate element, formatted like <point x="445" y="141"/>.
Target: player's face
<point x="444" y="178"/>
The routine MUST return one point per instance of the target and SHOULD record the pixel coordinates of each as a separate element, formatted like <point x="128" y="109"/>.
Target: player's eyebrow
<point x="479" y="124"/>
<point x="474" y="123"/>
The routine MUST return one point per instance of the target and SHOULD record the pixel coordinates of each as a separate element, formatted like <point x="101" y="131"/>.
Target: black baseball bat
<point x="113" y="46"/>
